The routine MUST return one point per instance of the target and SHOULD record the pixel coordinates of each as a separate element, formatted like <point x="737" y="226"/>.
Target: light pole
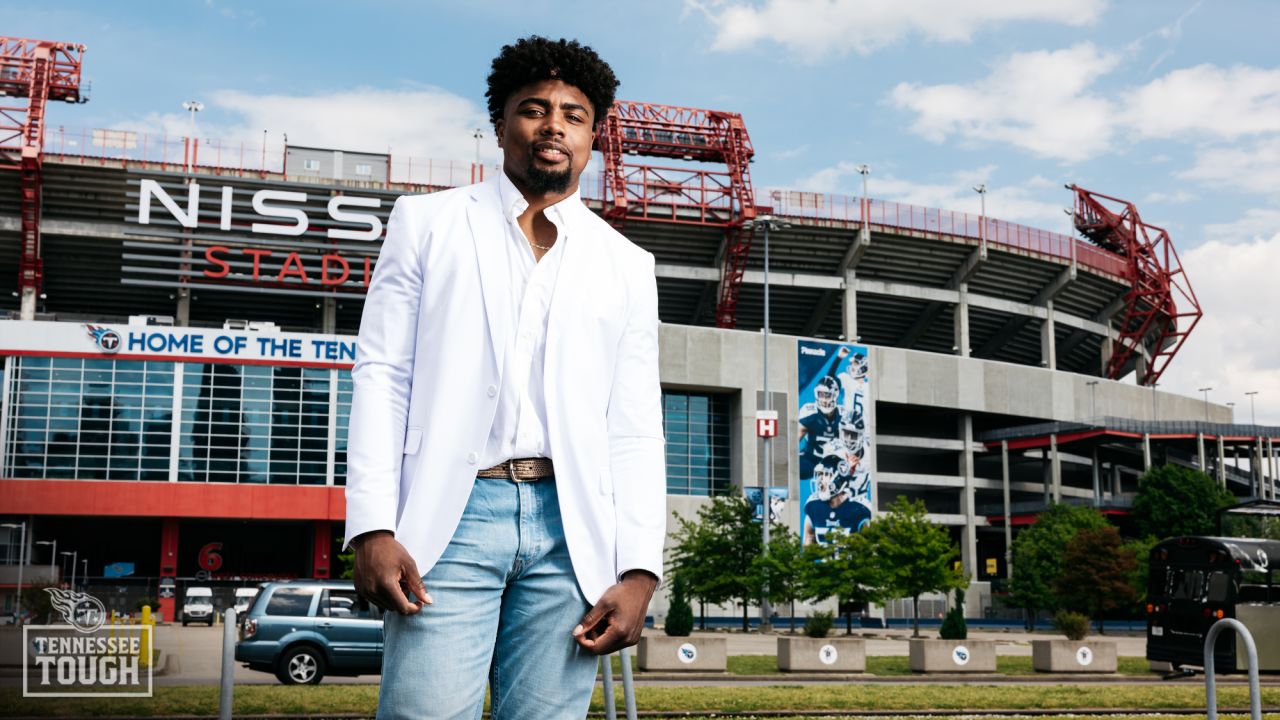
<point x="1093" y="400"/>
<point x="74" y="557"/>
<point x="192" y="107"/>
<point x="1252" y="419"/>
<point x="84" y="570"/>
<point x="767" y="222"/>
<point x="53" y="552"/>
<point x="865" y="231"/>
<point x="478" y="135"/>
<point x="1205" y="390"/>
<point x="22" y="560"/>
<point x="981" y="189"/>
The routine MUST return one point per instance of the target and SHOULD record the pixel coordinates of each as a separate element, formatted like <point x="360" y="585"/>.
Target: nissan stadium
<point x="179" y="322"/>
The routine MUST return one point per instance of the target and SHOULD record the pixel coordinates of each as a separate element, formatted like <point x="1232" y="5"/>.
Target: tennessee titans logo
<point x="106" y="339"/>
<point x="687" y="653"/>
<point x="82" y="611"/>
<point x="960" y="655"/>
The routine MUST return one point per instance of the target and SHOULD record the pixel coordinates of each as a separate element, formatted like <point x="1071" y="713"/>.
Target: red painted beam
<point x="119" y="498"/>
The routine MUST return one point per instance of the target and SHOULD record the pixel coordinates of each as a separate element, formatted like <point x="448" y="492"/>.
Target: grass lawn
<point x="362" y="699"/>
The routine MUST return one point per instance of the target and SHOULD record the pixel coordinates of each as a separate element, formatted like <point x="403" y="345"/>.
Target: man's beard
<point x="544" y="182"/>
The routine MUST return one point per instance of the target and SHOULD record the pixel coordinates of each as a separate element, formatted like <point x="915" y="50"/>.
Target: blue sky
<point x="1174" y="104"/>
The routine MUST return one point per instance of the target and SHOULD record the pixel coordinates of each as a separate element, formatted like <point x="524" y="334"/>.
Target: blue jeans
<point x="506" y="601"/>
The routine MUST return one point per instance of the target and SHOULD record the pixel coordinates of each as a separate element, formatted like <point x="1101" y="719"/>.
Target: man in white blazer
<point x="506" y="493"/>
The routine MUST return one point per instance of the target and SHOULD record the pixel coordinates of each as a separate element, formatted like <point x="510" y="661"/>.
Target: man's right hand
<point x="385" y="573"/>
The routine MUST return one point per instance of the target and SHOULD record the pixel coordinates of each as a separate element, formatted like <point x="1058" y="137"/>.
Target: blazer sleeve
<point x="636" y="446"/>
<point x="381" y="379"/>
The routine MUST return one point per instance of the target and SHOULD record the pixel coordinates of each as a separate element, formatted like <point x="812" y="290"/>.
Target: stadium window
<point x="696" y="426"/>
<point x="364" y="169"/>
<point x="311" y="164"/>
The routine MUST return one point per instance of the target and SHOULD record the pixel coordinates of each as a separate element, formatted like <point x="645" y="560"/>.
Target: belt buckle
<point x="511" y="468"/>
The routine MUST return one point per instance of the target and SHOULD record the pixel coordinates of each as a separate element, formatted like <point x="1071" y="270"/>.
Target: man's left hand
<point x="618" y="619"/>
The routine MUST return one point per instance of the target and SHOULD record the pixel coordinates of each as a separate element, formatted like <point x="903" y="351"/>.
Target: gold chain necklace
<point x="540" y="247"/>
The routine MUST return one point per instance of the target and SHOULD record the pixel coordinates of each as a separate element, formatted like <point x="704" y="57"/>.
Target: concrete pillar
<point x="182" y="309"/>
<point x="329" y="315"/>
<point x="1255" y="467"/>
<point x="1104" y="355"/>
<point x="1008" y="510"/>
<point x="1146" y="451"/>
<point x="1271" y="467"/>
<point x="1048" y="340"/>
<point x="1201" y="460"/>
<point x="1046" y="472"/>
<point x="961" y="332"/>
<point x="969" y="536"/>
<point x="1139" y="366"/>
<point x="1222" y="463"/>
<point x="27" y="311"/>
<point x="1056" y="468"/>
<point x="1097" y="480"/>
<point x="850" y="306"/>
<point x="1117" y="483"/>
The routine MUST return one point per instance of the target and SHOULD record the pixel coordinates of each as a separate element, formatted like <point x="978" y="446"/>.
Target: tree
<point x="1037" y="555"/>
<point x="717" y="553"/>
<point x="1097" y="573"/>
<point x="679" y="622"/>
<point x="1173" y="501"/>
<point x="845" y="568"/>
<point x="1141" y="549"/>
<point x="914" y="555"/>
<point x="786" y="568"/>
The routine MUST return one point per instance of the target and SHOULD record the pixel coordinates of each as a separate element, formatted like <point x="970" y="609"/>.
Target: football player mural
<point x="835" y="474"/>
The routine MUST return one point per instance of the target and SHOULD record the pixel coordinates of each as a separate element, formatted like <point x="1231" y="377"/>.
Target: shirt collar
<point x="514" y="204"/>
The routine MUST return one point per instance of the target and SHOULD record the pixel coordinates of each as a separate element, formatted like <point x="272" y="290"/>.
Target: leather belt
<point x="520" y="470"/>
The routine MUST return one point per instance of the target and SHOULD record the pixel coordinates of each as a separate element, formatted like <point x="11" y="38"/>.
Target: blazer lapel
<point x="484" y="216"/>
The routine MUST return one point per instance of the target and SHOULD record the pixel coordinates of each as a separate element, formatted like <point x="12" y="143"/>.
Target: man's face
<point x="545" y="134"/>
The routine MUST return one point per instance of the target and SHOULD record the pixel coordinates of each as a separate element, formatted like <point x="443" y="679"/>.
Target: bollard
<point x="606" y="677"/>
<point x="228" y="664"/>
<point x="1251" y="651"/>
<point x="147" y="628"/>
<point x="628" y="687"/>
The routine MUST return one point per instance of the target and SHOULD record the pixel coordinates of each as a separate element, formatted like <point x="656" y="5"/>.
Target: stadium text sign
<point x="86" y="656"/>
<point x="252" y="252"/>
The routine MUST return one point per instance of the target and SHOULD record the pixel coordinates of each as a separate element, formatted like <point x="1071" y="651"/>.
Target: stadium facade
<point x="175" y="400"/>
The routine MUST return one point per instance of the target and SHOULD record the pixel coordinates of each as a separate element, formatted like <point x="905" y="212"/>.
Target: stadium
<point x="181" y="320"/>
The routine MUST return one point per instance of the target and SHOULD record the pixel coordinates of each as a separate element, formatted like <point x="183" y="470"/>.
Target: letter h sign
<point x="766" y="423"/>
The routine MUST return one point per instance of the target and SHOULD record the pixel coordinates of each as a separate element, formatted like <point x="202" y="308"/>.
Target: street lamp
<point x="1093" y="400"/>
<point x="1252" y="420"/>
<point x="478" y="135"/>
<point x="53" y="552"/>
<point x="767" y="222"/>
<point x="84" y="570"/>
<point x="865" y="211"/>
<point x="981" y="189"/>
<point x="75" y="554"/>
<point x="193" y="107"/>
<point x="22" y="560"/>
<point x="1205" y="390"/>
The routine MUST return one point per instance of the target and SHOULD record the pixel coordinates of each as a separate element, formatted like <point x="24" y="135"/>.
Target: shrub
<point x="1072" y="624"/>
<point x="953" y="626"/>
<point x="818" y="624"/>
<point x="154" y="603"/>
<point x="679" y="622"/>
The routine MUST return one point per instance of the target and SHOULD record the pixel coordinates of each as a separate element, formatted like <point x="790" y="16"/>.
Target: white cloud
<point x="1235" y="346"/>
<point x="1038" y="101"/>
<point x="1206" y="101"/>
<point x="815" y="28"/>
<point x="419" y="122"/>
<point x="1016" y="203"/>
<point x="1252" y="168"/>
<point x="1177" y="197"/>
<point x="1257" y="223"/>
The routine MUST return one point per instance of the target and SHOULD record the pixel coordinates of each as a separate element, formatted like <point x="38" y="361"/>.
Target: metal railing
<point x="1251" y="651"/>
<point x="177" y="153"/>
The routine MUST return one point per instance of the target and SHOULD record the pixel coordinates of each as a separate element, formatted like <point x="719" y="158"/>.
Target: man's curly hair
<point x="534" y="59"/>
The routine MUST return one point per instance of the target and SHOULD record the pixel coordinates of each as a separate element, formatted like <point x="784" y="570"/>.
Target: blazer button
<point x="472" y="458"/>
<point x="493" y="390"/>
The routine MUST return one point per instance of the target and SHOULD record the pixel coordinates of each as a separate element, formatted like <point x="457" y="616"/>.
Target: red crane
<point x="1160" y="308"/>
<point x="32" y="72"/>
<point x="683" y="195"/>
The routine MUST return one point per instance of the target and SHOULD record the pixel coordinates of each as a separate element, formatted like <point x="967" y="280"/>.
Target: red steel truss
<point x="687" y="195"/>
<point x="1160" y="307"/>
<point x="32" y="72"/>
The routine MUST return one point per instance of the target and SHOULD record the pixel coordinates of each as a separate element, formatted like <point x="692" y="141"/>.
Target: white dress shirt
<point x="520" y="425"/>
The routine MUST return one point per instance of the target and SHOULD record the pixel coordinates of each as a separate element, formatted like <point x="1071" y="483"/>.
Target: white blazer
<point x="427" y="374"/>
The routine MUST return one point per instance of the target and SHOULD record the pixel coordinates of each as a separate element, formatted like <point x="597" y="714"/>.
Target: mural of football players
<point x="831" y="506"/>
<point x="819" y="424"/>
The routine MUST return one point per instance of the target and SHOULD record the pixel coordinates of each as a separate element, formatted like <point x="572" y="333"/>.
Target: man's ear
<point x="499" y="130"/>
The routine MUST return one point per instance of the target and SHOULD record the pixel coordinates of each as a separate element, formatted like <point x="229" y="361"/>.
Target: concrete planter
<point x="1074" y="656"/>
<point x="953" y="656"/>
<point x="836" y="655"/>
<point x="662" y="653"/>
